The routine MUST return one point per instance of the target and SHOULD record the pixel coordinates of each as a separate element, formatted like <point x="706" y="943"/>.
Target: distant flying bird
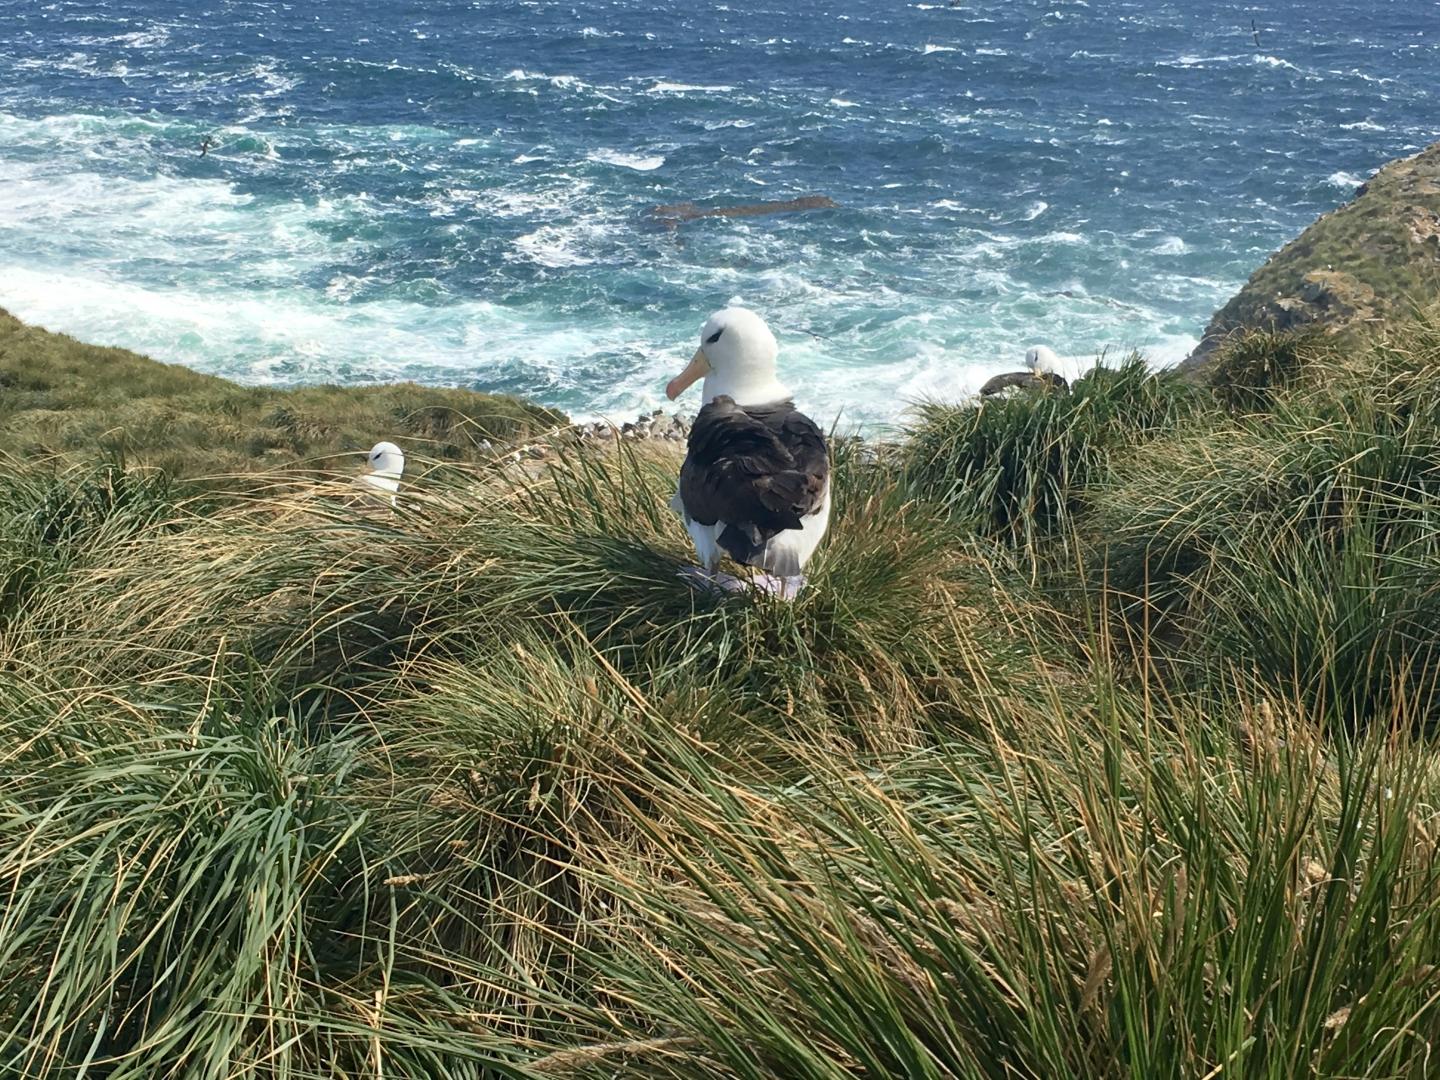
<point x="205" y="144"/>
<point x="755" y="483"/>
<point x="387" y="463"/>
<point x="1255" y="31"/>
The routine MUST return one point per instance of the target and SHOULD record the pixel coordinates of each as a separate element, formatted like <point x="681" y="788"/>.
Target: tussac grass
<point x="1098" y="745"/>
<point x="63" y="398"/>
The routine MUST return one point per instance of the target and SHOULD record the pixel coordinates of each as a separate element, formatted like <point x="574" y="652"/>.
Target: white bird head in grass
<point x="387" y="464"/>
<point x="1041" y="359"/>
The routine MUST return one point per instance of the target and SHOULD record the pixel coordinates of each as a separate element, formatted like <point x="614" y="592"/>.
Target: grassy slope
<point x="1366" y="261"/>
<point x="1099" y="745"/>
<point x="61" y="397"/>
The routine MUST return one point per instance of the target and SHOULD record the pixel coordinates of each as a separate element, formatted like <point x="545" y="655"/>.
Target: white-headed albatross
<point x="387" y="464"/>
<point x="755" y="484"/>
<point x="1044" y="374"/>
<point x="1041" y="359"/>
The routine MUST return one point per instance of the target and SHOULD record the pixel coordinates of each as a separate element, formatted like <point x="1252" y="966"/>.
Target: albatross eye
<point x="714" y="337"/>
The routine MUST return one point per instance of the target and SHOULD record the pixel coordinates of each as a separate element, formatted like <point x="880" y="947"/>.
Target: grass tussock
<point x="1016" y="468"/>
<point x="62" y="398"/>
<point x="1099" y="744"/>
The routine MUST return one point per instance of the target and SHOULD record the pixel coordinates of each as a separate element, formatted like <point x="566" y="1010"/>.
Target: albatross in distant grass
<point x="1044" y="374"/>
<point x="387" y="464"/>
<point x="755" y="484"/>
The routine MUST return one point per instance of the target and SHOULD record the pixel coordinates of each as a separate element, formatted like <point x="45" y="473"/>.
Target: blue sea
<point x="457" y="192"/>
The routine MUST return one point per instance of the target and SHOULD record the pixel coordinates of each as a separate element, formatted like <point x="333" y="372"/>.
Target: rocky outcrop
<point x="1353" y="268"/>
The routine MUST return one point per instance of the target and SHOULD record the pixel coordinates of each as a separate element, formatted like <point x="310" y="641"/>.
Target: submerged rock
<point x="676" y="213"/>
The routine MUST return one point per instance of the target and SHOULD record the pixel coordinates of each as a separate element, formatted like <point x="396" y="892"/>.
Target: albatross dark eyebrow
<point x="715" y="336"/>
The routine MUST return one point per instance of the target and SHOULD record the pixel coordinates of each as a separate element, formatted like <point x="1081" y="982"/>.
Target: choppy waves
<point x="467" y="202"/>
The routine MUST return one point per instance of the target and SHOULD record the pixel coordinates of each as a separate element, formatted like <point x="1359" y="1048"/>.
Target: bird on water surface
<point x="755" y="483"/>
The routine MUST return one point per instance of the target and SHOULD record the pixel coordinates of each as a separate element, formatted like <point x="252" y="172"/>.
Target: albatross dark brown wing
<point x="1025" y="380"/>
<point x="760" y="470"/>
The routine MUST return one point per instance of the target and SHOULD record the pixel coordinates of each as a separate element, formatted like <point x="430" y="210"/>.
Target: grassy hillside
<point x="59" y="396"/>
<point x="1374" y="258"/>
<point x="1100" y="744"/>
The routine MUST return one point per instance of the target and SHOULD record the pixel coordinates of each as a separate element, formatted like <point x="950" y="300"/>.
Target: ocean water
<point x="457" y="192"/>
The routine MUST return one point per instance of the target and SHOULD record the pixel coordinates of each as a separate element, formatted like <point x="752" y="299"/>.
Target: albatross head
<point x="736" y="358"/>
<point x="1041" y="359"/>
<point x="387" y="460"/>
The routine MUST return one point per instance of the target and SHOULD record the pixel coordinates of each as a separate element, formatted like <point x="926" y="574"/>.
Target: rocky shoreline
<point x="657" y="426"/>
<point x="672" y="427"/>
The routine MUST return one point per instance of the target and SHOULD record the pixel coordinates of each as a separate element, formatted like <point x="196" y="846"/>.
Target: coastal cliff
<point x="1357" y="265"/>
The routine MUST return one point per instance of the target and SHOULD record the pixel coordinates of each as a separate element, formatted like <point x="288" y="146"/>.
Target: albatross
<point x="755" y="483"/>
<point x="387" y="464"/>
<point x="1044" y="374"/>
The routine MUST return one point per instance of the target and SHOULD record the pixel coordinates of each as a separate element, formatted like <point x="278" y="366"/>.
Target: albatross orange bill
<point x="698" y="368"/>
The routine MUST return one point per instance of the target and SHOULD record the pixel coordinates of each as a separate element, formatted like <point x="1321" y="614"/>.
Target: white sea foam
<point x="663" y="87"/>
<point x="284" y="335"/>
<point x="343" y="287"/>
<point x="1035" y="209"/>
<point x="1344" y="180"/>
<point x="929" y="50"/>
<point x="638" y="162"/>
<point x="552" y="246"/>
<point x="1189" y="60"/>
<point x="841" y="103"/>
<point x="531" y="201"/>
<point x="560" y="82"/>
<point x="152" y="37"/>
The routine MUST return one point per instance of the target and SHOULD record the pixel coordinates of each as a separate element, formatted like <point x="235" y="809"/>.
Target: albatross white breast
<point x="755" y="484"/>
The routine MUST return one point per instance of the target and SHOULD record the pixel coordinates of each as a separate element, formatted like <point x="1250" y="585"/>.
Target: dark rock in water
<point x="676" y="213"/>
<point x="1353" y="267"/>
<point x="1023" y="380"/>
